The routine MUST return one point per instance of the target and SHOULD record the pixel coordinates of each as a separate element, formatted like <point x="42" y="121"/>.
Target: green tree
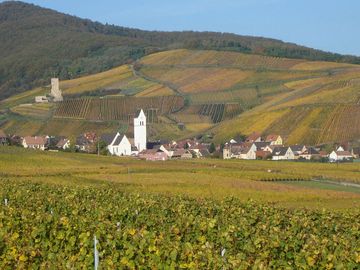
<point x="212" y="148"/>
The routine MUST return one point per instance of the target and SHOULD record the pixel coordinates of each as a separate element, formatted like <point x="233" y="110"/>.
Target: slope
<point x="194" y="92"/>
<point x="38" y="43"/>
<point x="325" y="109"/>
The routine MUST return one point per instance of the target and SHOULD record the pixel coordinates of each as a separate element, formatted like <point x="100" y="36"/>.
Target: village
<point x="253" y="147"/>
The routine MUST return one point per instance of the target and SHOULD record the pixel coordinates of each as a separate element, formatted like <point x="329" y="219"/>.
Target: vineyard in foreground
<point x="47" y="226"/>
<point x="202" y="214"/>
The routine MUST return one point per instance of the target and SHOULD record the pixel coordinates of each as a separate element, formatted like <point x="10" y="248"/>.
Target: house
<point x="356" y="152"/>
<point x="37" y="142"/>
<point x="91" y="137"/>
<point x="63" y="144"/>
<point x="298" y="150"/>
<point x="270" y="148"/>
<point x="283" y="153"/>
<point x="182" y="154"/>
<point x="336" y="156"/>
<point x="117" y="144"/>
<point x="84" y="144"/>
<point x="187" y="144"/>
<point x="226" y="153"/>
<point x="153" y="155"/>
<point x="261" y="145"/>
<point x="4" y="140"/>
<point x="274" y="139"/>
<point x="199" y="150"/>
<point x="254" y="137"/>
<point x="240" y="151"/>
<point x="310" y="153"/>
<point x="247" y="153"/>
<point x="41" y="99"/>
<point x="204" y="153"/>
<point x="261" y="154"/>
<point x="167" y="150"/>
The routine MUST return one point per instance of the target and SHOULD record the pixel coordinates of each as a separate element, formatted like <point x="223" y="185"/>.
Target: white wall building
<point x="340" y="156"/>
<point x="117" y="144"/>
<point x="140" y="131"/>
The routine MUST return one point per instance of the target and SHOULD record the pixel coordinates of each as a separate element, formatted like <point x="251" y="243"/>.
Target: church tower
<point x="140" y="130"/>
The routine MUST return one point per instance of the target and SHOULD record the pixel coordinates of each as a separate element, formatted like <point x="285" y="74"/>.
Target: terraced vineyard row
<point x="342" y="124"/>
<point x="74" y="108"/>
<point x="116" y="108"/>
<point x="215" y="111"/>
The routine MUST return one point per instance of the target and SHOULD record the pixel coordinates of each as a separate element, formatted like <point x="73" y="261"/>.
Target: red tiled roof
<point x="37" y="140"/>
<point x="272" y="138"/>
<point x="253" y="137"/>
<point x="343" y="153"/>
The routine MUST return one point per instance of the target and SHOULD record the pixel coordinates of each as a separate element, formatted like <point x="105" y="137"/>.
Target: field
<point x="208" y="214"/>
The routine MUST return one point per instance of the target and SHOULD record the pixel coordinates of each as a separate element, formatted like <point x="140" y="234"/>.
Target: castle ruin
<point x="56" y="93"/>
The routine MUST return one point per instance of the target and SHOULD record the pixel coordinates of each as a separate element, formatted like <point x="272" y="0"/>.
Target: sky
<point x="330" y="25"/>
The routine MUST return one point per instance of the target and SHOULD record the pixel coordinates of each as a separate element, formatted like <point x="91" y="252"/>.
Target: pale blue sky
<point x="331" y="25"/>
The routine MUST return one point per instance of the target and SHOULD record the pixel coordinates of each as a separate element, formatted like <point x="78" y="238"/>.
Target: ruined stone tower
<point x="55" y="90"/>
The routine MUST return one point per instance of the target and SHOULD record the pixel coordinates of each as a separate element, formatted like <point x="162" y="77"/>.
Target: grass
<point x="42" y="110"/>
<point x="26" y="97"/>
<point x="215" y="179"/>
<point x="323" y="185"/>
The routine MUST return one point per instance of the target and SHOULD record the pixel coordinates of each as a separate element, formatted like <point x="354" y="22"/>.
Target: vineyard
<point x="197" y="80"/>
<point x="47" y="226"/>
<point x="268" y="94"/>
<point x="216" y="112"/>
<point x="217" y="58"/>
<point x="117" y="108"/>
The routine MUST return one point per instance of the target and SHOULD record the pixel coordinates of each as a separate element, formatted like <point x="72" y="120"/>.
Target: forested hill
<point x="37" y="43"/>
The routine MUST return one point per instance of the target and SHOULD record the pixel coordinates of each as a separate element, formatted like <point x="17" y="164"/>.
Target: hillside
<point x="38" y="43"/>
<point x="191" y="92"/>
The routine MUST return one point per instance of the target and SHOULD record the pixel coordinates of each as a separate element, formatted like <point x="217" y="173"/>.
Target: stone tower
<point x="55" y="90"/>
<point x="140" y="130"/>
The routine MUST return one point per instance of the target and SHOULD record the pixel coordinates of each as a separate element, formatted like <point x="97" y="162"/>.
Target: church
<point x="119" y="145"/>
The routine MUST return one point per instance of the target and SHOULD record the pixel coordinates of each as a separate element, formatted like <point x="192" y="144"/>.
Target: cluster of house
<point x="272" y="147"/>
<point x="117" y="144"/>
<point x="253" y="147"/>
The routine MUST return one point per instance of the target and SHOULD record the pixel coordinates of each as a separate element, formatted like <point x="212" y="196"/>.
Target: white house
<point x="248" y="153"/>
<point x="117" y="144"/>
<point x="283" y="153"/>
<point x="240" y="151"/>
<point x="340" y="156"/>
<point x="140" y="131"/>
<point x="37" y="142"/>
